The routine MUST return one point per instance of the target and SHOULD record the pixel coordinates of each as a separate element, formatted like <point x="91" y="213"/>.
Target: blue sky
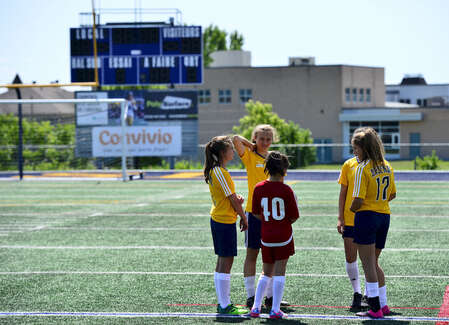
<point x="403" y="36"/>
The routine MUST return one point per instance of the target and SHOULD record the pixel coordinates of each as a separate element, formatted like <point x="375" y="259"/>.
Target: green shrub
<point x="428" y="162"/>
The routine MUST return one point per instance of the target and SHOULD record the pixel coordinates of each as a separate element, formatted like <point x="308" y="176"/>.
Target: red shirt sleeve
<point x="256" y="209"/>
<point x="293" y="211"/>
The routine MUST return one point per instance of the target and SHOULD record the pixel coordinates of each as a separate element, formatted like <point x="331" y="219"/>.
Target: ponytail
<point x="214" y="152"/>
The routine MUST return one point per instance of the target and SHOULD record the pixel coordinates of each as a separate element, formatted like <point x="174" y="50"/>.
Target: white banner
<point x="92" y="113"/>
<point x="140" y="141"/>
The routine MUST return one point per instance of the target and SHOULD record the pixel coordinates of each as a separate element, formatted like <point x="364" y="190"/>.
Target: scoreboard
<point x="138" y="54"/>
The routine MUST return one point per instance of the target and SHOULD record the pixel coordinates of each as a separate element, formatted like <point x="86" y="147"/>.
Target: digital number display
<point x="130" y="55"/>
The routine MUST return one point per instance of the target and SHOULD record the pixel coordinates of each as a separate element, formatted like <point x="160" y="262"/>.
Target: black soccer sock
<point x="374" y="303"/>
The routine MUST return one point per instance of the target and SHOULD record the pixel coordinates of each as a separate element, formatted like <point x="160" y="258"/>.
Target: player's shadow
<point x="262" y="320"/>
<point x="385" y="321"/>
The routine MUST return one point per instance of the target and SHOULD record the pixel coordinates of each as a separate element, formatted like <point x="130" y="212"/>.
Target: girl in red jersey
<point x="275" y="204"/>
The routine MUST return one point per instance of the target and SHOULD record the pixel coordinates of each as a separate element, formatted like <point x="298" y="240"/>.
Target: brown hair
<point x="264" y="128"/>
<point x="214" y="151"/>
<point x="371" y="145"/>
<point x="276" y="163"/>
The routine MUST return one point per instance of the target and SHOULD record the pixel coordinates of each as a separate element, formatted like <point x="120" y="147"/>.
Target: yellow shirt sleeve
<point x="360" y="181"/>
<point x="225" y="182"/>
<point x="246" y="157"/>
<point x="343" y="178"/>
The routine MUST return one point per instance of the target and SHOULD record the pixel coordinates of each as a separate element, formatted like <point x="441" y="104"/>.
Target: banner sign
<point x="146" y="106"/>
<point x="140" y="141"/>
<point x="92" y="113"/>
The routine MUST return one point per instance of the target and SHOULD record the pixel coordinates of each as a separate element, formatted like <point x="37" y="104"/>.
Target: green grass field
<point x="146" y="247"/>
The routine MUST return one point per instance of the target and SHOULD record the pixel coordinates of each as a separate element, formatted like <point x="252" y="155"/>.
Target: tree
<point x="236" y="43"/>
<point x="288" y="132"/>
<point x="215" y="39"/>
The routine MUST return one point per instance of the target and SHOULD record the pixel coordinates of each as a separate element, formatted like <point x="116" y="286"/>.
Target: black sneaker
<point x="250" y="302"/>
<point x="269" y="303"/>
<point x="356" y="301"/>
<point x="365" y="302"/>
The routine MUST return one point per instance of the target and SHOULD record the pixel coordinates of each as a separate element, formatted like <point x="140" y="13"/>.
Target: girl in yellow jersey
<point x="374" y="188"/>
<point x="226" y="204"/>
<point x="253" y="156"/>
<point x="345" y="226"/>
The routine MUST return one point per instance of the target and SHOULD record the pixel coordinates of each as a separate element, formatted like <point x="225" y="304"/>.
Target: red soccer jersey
<point x="277" y="204"/>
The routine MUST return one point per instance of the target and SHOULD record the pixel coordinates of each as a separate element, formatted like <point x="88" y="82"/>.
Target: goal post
<point x="123" y="111"/>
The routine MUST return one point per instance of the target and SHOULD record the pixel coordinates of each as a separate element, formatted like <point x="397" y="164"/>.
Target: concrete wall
<point x="433" y="129"/>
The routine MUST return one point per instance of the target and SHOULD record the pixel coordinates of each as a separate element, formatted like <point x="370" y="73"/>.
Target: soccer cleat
<point x="356" y="301"/>
<point x="255" y="312"/>
<point x="278" y="315"/>
<point x="365" y="301"/>
<point x="269" y="303"/>
<point x="372" y="314"/>
<point x="250" y="302"/>
<point x="232" y="310"/>
<point x="386" y="310"/>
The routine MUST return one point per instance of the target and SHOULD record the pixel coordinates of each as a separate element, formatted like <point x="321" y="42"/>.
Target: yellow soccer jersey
<point x="374" y="186"/>
<point x="255" y="169"/>
<point x="221" y="187"/>
<point x="347" y="178"/>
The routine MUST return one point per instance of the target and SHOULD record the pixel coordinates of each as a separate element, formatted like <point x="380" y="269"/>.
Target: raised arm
<point x="240" y="143"/>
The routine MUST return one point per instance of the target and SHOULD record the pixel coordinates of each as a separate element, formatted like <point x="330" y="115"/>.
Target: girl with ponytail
<point x="226" y="204"/>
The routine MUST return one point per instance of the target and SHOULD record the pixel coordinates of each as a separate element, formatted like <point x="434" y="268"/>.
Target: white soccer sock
<point x="352" y="269"/>
<point x="250" y="286"/>
<point x="260" y="291"/>
<point x="372" y="289"/>
<point x="383" y="296"/>
<point x="269" y="291"/>
<point x="278" y="292"/>
<point x="223" y="288"/>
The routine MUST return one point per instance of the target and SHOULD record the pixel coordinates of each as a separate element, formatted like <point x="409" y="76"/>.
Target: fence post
<point x="20" y="144"/>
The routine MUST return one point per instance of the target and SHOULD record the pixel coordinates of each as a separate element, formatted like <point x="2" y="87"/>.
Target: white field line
<point x="76" y="215"/>
<point x="214" y="315"/>
<point x="312" y="248"/>
<point x="187" y="203"/>
<point x="56" y="228"/>
<point x="310" y="275"/>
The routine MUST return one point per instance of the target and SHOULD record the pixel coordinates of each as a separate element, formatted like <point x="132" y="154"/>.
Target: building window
<point x="368" y="95"/>
<point x="387" y="130"/>
<point x="245" y="95"/>
<point x="224" y="96"/>
<point x="354" y="95"/>
<point x="361" y="95"/>
<point x="348" y="94"/>
<point x="204" y="96"/>
<point x="418" y="101"/>
<point x="424" y="102"/>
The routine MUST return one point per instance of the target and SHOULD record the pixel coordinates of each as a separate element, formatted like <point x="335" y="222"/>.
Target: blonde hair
<point x="214" y="151"/>
<point x="371" y="145"/>
<point x="264" y="128"/>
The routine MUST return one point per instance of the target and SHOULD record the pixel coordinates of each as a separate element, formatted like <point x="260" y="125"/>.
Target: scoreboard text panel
<point x="138" y="55"/>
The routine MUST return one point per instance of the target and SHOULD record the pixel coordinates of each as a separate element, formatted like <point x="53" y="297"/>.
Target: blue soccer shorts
<point x="253" y="233"/>
<point x="224" y="236"/>
<point x="371" y="227"/>
<point x="348" y="232"/>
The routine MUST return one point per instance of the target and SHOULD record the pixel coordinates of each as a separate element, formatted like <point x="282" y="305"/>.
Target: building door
<point x="324" y="153"/>
<point x="415" y="151"/>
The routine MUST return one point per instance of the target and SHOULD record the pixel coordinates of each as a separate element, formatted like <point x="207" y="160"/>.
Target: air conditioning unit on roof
<point x="301" y="60"/>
